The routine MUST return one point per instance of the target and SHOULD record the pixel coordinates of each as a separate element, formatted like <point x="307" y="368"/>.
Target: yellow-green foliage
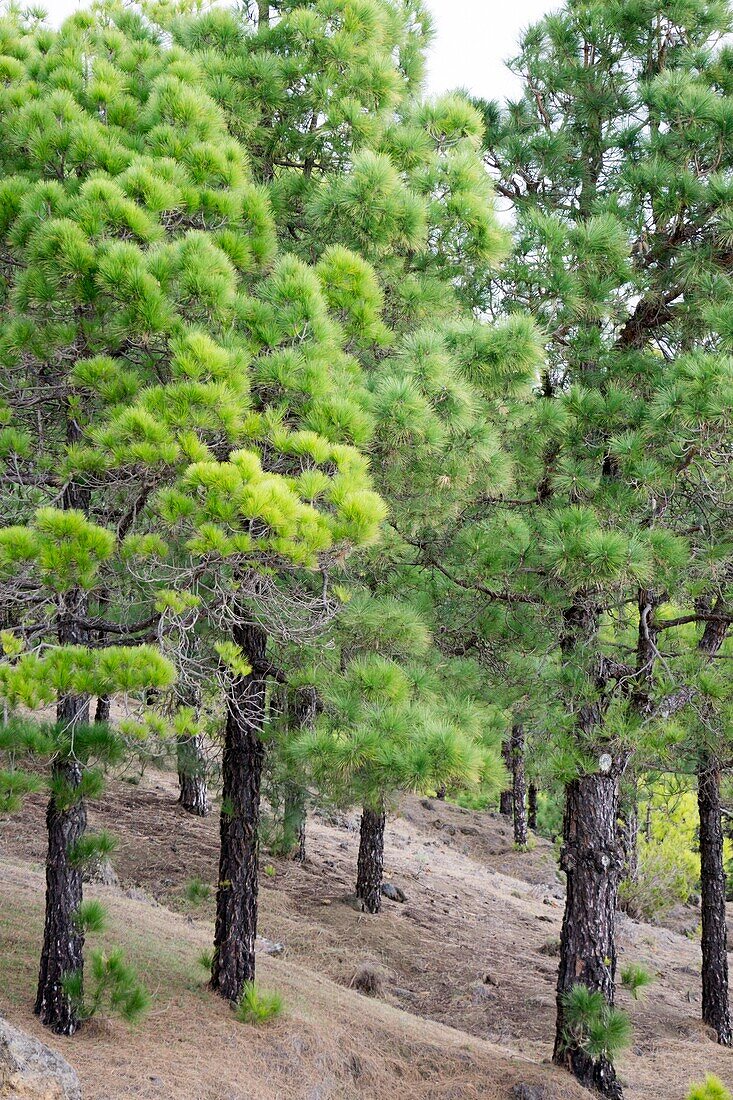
<point x="711" y="1089"/>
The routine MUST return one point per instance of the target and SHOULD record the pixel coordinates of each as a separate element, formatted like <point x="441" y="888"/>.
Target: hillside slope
<point x="473" y="948"/>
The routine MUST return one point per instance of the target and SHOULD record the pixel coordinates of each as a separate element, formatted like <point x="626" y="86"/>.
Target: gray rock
<point x="529" y="1092"/>
<point x="469" y="830"/>
<point x="394" y="893"/>
<point x="269" y="947"/>
<point x="29" y="1070"/>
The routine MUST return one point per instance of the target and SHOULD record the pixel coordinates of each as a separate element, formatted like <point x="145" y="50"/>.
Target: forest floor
<point x="464" y="969"/>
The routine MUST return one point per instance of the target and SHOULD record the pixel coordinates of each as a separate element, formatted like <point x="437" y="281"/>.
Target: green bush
<point x="197" y="891"/>
<point x="593" y="1025"/>
<point x="112" y="989"/>
<point x="667" y="874"/>
<point x="635" y="979"/>
<point x="258" y="1006"/>
<point x="712" y="1089"/>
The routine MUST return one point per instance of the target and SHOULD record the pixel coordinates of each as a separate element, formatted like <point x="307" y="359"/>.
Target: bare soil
<point x="464" y="969"/>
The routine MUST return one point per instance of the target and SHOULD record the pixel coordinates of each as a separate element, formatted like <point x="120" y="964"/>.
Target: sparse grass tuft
<point x="635" y="979"/>
<point x="206" y="959"/>
<point x="197" y="891"/>
<point x="258" y="1006"/>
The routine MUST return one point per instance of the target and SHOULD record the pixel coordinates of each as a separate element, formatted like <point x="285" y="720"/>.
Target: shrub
<point x="206" y="959"/>
<point x="258" y="1006"/>
<point x="197" y="891"/>
<point x="711" y="1089"/>
<point x="593" y="1025"/>
<point x="635" y="979"/>
<point x="91" y="916"/>
<point x="112" y="989"/>
<point x="667" y="874"/>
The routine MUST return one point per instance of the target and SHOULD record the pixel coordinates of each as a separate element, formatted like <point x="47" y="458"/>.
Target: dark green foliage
<point x="593" y="1025"/>
<point x="111" y="989"/>
<point x="91" y="916"/>
<point x="197" y="891"/>
<point x="635" y="979"/>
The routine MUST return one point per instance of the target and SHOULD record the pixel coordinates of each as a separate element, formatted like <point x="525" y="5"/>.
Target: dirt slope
<point x="472" y="948"/>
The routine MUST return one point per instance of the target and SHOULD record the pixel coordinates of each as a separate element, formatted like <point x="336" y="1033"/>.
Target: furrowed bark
<point x="532" y="807"/>
<point x="506" y="798"/>
<point x="591" y="861"/>
<point x="242" y="762"/>
<point x="193" y="794"/>
<point x="305" y="706"/>
<point x="62" y="953"/>
<point x="628" y="827"/>
<point x="714" y="939"/>
<point x="66" y="819"/>
<point x="370" y="867"/>
<point x="519" y="787"/>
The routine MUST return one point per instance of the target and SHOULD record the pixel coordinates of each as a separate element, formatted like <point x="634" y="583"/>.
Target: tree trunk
<point x="370" y="867"/>
<point x="103" y="709"/>
<point x="519" y="787"/>
<point x="305" y="705"/>
<point x="242" y="762"/>
<point x="193" y="795"/>
<point x="532" y="807"/>
<point x="294" y="818"/>
<point x="591" y="861"/>
<point x="628" y="831"/>
<point x="66" y="819"/>
<point x="506" y="798"/>
<point x="715" y="1004"/>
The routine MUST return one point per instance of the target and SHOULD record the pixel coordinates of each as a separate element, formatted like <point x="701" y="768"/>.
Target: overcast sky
<point x="474" y="37"/>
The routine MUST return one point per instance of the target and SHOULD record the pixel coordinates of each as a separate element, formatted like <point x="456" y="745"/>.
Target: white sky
<point x="474" y="38"/>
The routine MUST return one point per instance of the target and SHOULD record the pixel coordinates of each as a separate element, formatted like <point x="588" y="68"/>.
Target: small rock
<point x="427" y="804"/>
<point x="543" y="917"/>
<point x="529" y="1092"/>
<point x="269" y="947"/>
<point x="30" y="1069"/>
<point x="491" y="979"/>
<point x="469" y="830"/>
<point x="393" y="892"/>
<point x="368" y="979"/>
<point x="102" y="871"/>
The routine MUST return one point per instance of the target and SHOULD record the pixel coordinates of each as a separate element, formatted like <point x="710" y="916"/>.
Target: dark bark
<point x="628" y="831"/>
<point x="519" y="787"/>
<point x="294" y="819"/>
<point x="66" y="819"/>
<point x="370" y="867"/>
<point x="242" y="762"/>
<point x="193" y="795"/>
<point x="714" y="940"/>
<point x="103" y="709"/>
<point x="715" y="998"/>
<point x="592" y="862"/>
<point x="506" y="798"/>
<point x="532" y="807"/>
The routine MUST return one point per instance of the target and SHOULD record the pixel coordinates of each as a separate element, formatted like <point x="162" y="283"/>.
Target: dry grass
<point x="331" y="1042"/>
<point x="471" y="949"/>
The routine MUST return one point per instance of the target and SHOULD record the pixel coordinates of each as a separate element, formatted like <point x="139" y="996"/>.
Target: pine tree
<point x="390" y="725"/>
<point x="390" y="200"/>
<point x="615" y="161"/>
